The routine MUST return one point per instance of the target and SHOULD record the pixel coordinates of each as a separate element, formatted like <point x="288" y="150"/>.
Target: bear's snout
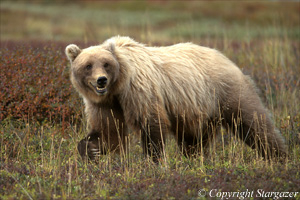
<point x="100" y="85"/>
<point x="101" y="82"/>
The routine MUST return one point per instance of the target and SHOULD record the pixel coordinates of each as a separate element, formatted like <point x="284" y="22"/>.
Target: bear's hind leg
<point x="258" y="131"/>
<point x="248" y="118"/>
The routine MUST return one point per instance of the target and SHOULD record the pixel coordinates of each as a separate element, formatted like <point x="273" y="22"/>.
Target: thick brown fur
<point x="185" y="89"/>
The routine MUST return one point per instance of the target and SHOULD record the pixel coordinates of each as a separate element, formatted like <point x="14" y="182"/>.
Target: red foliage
<point x="34" y="84"/>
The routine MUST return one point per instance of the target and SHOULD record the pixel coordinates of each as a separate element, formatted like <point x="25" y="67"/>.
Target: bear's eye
<point x="106" y="65"/>
<point x="88" y="67"/>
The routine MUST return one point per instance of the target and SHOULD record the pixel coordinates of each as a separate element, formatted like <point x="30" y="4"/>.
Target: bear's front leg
<point x="153" y="138"/>
<point x="89" y="147"/>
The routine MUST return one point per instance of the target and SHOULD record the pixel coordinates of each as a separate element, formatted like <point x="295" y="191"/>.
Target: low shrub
<point x="35" y="84"/>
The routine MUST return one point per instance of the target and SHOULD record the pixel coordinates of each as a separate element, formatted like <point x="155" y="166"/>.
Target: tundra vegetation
<point x="42" y="120"/>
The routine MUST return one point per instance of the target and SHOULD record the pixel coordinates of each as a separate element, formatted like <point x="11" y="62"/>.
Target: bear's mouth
<point x="99" y="90"/>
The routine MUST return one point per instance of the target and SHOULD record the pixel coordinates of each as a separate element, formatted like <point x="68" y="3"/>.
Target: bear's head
<point x="94" y="70"/>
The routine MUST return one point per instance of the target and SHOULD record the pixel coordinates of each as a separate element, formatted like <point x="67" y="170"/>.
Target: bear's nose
<point x="101" y="81"/>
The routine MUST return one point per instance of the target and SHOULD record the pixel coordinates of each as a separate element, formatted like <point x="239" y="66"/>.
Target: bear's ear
<point x="111" y="45"/>
<point x="72" y="51"/>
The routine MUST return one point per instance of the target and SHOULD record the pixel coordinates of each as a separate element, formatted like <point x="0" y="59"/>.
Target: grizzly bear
<point x="186" y="90"/>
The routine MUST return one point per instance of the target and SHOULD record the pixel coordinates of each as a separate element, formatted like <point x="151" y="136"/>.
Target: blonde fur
<point x="176" y="89"/>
